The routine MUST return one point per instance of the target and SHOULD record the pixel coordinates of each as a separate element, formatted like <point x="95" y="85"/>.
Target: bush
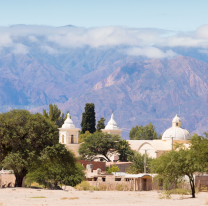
<point x="103" y="187"/>
<point x="85" y="186"/>
<point x="179" y="191"/>
<point x="119" y="187"/>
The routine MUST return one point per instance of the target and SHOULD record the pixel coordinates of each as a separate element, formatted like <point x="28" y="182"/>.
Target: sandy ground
<point x="23" y="196"/>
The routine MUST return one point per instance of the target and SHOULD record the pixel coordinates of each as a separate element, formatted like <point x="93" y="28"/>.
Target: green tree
<point x="101" y="124"/>
<point x="23" y="136"/>
<point x="137" y="165"/>
<point x="56" y="164"/>
<point x="83" y="136"/>
<point x="124" y="150"/>
<point x="98" y="143"/>
<point x="146" y="132"/>
<point x="88" y="118"/>
<point x="174" y="165"/>
<point x="55" y="115"/>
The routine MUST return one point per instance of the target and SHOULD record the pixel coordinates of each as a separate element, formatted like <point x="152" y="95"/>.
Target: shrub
<point x="85" y="186"/>
<point x="103" y="187"/>
<point x="179" y="191"/>
<point x="119" y="187"/>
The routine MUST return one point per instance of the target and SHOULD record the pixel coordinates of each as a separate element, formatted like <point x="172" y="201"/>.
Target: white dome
<point x="112" y="125"/>
<point x="176" y="119"/>
<point x="177" y="133"/>
<point x="68" y="123"/>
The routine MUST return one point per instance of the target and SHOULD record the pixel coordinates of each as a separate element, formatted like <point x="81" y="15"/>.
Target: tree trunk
<point x="19" y="177"/>
<point x="191" y="180"/>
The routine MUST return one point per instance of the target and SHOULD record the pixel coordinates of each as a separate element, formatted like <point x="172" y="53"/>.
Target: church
<point x="69" y="135"/>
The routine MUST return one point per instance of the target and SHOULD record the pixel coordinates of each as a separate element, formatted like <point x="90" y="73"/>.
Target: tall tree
<point x="23" y="136"/>
<point x="88" y="118"/>
<point x="56" y="164"/>
<point x="146" y="132"/>
<point x="101" y="124"/>
<point x="98" y="143"/>
<point x="174" y="165"/>
<point x="124" y="150"/>
<point x="137" y="165"/>
<point x="55" y="115"/>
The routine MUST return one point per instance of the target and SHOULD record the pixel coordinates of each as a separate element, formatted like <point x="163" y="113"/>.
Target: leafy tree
<point x="137" y="165"/>
<point x="56" y="164"/>
<point x="98" y="143"/>
<point x="101" y="124"/>
<point x="146" y="132"/>
<point x="83" y="136"/>
<point x="23" y="136"/>
<point x="124" y="150"/>
<point x="55" y="115"/>
<point x="174" y="165"/>
<point x="88" y="118"/>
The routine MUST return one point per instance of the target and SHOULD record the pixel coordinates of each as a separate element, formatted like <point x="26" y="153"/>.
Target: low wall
<point x="7" y="180"/>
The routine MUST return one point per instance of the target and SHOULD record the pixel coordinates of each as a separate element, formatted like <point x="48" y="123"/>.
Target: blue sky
<point x="179" y="15"/>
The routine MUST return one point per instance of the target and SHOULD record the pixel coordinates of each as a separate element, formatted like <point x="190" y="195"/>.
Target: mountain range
<point x="137" y="89"/>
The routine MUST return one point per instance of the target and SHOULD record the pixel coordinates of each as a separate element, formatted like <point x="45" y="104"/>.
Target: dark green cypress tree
<point x="88" y="118"/>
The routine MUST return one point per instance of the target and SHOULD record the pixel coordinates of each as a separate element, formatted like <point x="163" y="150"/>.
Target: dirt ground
<point x="26" y="196"/>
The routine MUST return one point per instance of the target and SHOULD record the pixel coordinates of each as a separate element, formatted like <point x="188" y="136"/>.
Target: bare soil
<point x="26" y="196"/>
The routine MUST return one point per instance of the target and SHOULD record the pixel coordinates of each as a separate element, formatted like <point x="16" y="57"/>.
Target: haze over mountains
<point x="137" y="73"/>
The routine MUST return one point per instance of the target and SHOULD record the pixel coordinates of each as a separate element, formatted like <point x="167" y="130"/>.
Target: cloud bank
<point x="137" y="41"/>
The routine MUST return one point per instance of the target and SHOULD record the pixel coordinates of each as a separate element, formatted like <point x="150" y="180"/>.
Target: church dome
<point x="176" y="131"/>
<point x="68" y="123"/>
<point x="112" y="125"/>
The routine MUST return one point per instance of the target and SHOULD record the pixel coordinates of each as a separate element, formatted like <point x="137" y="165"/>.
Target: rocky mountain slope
<point x="137" y="90"/>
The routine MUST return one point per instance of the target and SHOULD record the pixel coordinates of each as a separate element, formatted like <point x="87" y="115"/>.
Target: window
<point x="176" y="124"/>
<point x="62" y="139"/>
<point x="72" y="139"/>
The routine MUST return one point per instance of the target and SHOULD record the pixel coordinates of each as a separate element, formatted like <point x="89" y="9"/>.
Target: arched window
<point x="62" y="139"/>
<point x="72" y="139"/>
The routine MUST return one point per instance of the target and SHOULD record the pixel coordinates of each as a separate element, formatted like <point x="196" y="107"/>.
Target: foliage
<point x="124" y="150"/>
<point x="55" y="115"/>
<point x="108" y="170"/>
<point x="56" y="164"/>
<point x="137" y="165"/>
<point x="23" y="137"/>
<point x="98" y="143"/>
<point x="174" y="165"/>
<point x="119" y="187"/>
<point x="88" y="118"/>
<point x="83" y="136"/>
<point x="146" y="132"/>
<point x="179" y="191"/>
<point x="100" y="124"/>
<point x="85" y="186"/>
<point x="102" y="187"/>
<point x="114" y="168"/>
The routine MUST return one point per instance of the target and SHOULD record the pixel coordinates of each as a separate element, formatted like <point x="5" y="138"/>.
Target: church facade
<point x="69" y="135"/>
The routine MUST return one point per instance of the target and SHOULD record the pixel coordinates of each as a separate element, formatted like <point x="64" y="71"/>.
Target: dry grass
<point x="38" y="197"/>
<point x="69" y="198"/>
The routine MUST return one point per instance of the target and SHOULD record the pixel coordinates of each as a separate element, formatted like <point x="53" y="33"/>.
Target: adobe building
<point x="154" y="148"/>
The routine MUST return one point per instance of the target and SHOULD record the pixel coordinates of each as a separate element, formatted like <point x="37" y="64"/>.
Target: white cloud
<point x="151" y="52"/>
<point x="144" y="42"/>
<point x="19" y="49"/>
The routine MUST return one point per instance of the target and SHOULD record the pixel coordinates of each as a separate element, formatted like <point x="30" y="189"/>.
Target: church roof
<point x="68" y="123"/>
<point x="177" y="133"/>
<point x="176" y="119"/>
<point x="112" y="125"/>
